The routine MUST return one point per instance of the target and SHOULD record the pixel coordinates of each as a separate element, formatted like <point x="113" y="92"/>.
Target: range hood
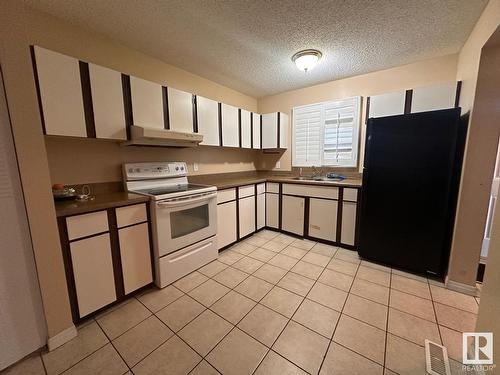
<point x="144" y="136"/>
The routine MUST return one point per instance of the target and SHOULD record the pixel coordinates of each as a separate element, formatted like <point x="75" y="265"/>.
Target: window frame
<point x="353" y="162"/>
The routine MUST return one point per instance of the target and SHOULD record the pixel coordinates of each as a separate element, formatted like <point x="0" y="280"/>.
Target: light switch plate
<point x="195" y="167"/>
<point x="278" y="164"/>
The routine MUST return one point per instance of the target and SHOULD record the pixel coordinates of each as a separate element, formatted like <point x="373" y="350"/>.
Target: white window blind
<point x="326" y="134"/>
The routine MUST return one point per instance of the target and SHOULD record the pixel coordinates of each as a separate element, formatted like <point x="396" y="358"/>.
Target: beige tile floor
<point x="271" y="304"/>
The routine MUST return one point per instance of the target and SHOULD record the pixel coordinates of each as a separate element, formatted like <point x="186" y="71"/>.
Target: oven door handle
<point x="183" y="202"/>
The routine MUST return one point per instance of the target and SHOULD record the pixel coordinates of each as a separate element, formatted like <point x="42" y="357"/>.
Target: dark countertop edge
<point x="228" y="183"/>
<point x="101" y="202"/>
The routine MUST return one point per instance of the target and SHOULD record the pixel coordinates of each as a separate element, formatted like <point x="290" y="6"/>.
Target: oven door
<point x="183" y="221"/>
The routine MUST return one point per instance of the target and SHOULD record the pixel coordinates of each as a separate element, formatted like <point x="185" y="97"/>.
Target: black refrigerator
<point x="411" y="176"/>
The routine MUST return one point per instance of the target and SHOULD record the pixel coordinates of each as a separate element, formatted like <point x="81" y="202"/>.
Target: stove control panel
<point x="144" y="171"/>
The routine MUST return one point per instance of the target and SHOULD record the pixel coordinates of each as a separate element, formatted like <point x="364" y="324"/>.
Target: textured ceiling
<point x="247" y="45"/>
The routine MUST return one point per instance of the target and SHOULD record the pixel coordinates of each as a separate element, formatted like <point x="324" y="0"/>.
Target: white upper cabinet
<point x="389" y="104"/>
<point x="432" y="98"/>
<point x="60" y="93"/>
<point x="208" y="120"/>
<point x="283" y="126"/>
<point x="107" y="102"/>
<point x="230" y="125"/>
<point x="246" y="128"/>
<point x="256" y="130"/>
<point x="147" y="103"/>
<point x="180" y="110"/>
<point x="274" y="130"/>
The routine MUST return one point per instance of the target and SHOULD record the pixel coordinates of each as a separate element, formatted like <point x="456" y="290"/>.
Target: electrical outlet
<point x="195" y="167"/>
<point x="278" y="164"/>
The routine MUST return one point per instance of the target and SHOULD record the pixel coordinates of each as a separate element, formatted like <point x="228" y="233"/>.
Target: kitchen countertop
<point x="100" y="202"/>
<point x="227" y="181"/>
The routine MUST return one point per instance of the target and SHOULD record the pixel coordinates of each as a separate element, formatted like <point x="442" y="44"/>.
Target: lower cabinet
<point x="246" y="209"/>
<point x="94" y="245"/>
<point x="323" y="219"/>
<point x="348" y="231"/>
<point x="135" y="257"/>
<point x="292" y="214"/>
<point x="272" y="210"/>
<point x="93" y="273"/>
<point x="261" y="211"/>
<point x="226" y="224"/>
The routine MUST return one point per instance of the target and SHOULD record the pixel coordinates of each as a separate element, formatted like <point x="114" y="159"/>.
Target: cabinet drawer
<point x="131" y="215"/>
<point x="261" y="188"/>
<point x="87" y="224"/>
<point x="350" y="195"/>
<point x="226" y="195"/>
<point x="93" y="272"/>
<point x="312" y="191"/>
<point x="246" y="191"/>
<point x="272" y="187"/>
<point x="135" y="257"/>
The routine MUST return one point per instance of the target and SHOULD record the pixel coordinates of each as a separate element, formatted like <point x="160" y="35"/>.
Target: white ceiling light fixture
<point x="307" y="59"/>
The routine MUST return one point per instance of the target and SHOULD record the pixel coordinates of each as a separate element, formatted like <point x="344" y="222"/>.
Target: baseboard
<point x="461" y="288"/>
<point x="61" y="338"/>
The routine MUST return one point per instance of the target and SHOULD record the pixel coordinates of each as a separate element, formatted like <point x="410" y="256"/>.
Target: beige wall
<point x="21" y="96"/>
<point x="83" y="161"/>
<point x="468" y="58"/>
<point x="424" y="73"/>
<point x="482" y="141"/>
<point x="74" y="161"/>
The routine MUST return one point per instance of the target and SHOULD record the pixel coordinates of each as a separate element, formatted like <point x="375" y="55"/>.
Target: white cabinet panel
<point x="129" y="215"/>
<point x="135" y="257"/>
<point x="270" y="130"/>
<point x="283" y="130"/>
<point x="226" y="224"/>
<point x="93" y="271"/>
<point x="292" y="217"/>
<point x="256" y="130"/>
<point x="261" y="211"/>
<point x="60" y="93"/>
<point x="180" y="110"/>
<point x="107" y="102"/>
<point x="246" y="129"/>
<point x="323" y="219"/>
<point x="272" y="187"/>
<point x="208" y="120"/>
<point x="261" y="188"/>
<point x="246" y="191"/>
<point x="389" y="104"/>
<point x="432" y="98"/>
<point x="329" y="192"/>
<point x="272" y="210"/>
<point x="350" y="194"/>
<point x="147" y="103"/>
<point x="87" y="224"/>
<point x="348" y="223"/>
<point x="246" y="216"/>
<point x="230" y="133"/>
<point x="226" y="195"/>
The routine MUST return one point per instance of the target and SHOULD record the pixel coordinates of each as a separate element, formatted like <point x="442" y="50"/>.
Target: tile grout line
<point x="340" y="316"/>
<point x="387" y="320"/>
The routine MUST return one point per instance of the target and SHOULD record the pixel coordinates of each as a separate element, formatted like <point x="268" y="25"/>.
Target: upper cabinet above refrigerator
<point x="389" y="104"/>
<point x="436" y="97"/>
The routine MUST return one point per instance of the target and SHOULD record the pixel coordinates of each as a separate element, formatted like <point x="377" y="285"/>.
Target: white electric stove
<point x="183" y="215"/>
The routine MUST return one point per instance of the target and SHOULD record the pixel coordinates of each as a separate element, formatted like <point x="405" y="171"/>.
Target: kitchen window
<point x="327" y="133"/>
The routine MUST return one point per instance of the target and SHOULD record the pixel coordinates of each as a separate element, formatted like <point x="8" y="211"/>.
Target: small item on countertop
<point x="335" y="176"/>
<point x="85" y="195"/>
<point x="61" y="192"/>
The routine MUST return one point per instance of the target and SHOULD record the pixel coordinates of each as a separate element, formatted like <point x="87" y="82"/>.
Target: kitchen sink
<point x="318" y="178"/>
